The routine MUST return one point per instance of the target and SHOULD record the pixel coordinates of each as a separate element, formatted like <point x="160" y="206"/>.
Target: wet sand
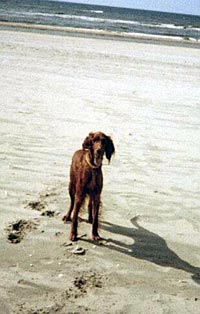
<point x="54" y="91"/>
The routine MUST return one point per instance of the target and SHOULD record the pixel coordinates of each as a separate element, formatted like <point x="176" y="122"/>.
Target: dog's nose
<point x="99" y="151"/>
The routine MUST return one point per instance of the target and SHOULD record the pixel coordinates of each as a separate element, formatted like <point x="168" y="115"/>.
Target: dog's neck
<point x="88" y="159"/>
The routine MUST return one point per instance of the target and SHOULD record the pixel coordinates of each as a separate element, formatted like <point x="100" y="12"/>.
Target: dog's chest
<point x="95" y="181"/>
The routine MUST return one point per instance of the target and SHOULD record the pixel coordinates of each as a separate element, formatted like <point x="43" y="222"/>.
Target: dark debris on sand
<point x="17" y="230"/>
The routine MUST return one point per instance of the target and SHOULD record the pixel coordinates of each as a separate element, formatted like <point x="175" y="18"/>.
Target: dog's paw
<point x="66" y="218"/>
<point x="96" y="237"/>
<point x="73" y="237"/>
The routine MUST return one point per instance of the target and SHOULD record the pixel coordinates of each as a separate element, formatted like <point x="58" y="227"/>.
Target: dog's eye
<point x="103" y="141"/>
<point x="97" y="139"/>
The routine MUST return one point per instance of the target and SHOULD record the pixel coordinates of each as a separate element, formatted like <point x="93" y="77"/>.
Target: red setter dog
<point x="86" y="179"/>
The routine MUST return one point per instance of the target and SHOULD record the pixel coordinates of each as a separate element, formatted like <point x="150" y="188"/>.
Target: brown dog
<point x="86" y="179"/>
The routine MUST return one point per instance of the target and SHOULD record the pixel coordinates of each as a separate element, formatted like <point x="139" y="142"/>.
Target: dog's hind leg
<point x="67" y="216"/>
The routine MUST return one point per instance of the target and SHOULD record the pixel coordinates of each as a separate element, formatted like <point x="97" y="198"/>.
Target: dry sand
<point x="56" y="89"/>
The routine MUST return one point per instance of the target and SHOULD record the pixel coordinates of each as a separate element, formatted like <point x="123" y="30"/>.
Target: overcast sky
<point x="176" y="6"/>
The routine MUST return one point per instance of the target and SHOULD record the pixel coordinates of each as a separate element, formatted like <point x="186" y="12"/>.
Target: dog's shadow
<point x="147" y="246"/>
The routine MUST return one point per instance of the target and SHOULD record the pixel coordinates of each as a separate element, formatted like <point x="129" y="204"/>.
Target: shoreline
<point x="94" y="33"/>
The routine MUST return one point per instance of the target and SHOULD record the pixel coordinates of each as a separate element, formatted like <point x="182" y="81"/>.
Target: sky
<point x="175" y="6"/>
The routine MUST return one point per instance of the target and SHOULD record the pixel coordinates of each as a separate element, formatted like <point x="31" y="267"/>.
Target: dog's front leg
<point x="90" y="206"/>
<point x="95" y="216"/>
<point x="74" y="223"/>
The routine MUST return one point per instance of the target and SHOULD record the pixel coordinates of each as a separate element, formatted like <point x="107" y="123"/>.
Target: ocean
<point x="101" y="18"/>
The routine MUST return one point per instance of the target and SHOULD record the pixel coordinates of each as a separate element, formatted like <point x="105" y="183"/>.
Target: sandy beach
<point x="55" y="90"/>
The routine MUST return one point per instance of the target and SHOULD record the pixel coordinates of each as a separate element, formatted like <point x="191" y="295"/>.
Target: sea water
<point x="103" y="18"/>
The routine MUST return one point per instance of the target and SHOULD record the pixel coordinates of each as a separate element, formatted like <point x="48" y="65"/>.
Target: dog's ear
<point x="109" y="148"/>
<point x="88" y="141"/>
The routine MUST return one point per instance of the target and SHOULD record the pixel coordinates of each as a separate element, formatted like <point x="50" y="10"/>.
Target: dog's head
<point x="99" y="144"/>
